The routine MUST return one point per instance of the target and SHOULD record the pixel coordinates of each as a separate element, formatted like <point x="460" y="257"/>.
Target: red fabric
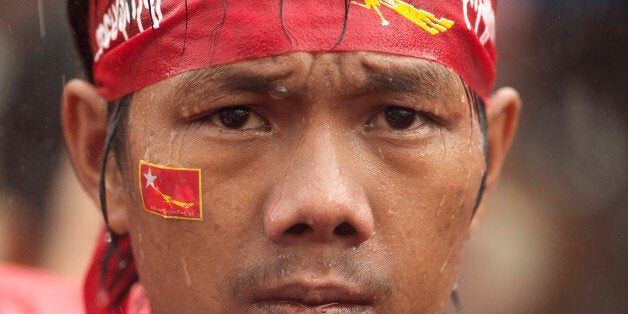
<point x="113" y="289"/>
<point x="24" y="290"/>
<point x="127" y="59"/>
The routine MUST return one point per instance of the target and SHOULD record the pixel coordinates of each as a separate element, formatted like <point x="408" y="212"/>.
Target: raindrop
<point x="102" y="297"/>
<point x="381" y="153"/>
<point x="108" y="237"/>
<point x="42" y="23"/>
<point x="278" y="92"/>
<point x="185" y="112"/>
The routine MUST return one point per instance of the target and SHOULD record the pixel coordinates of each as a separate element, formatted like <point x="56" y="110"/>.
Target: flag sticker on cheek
<point x="171" y="192"/>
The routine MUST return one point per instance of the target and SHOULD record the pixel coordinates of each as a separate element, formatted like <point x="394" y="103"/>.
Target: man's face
<point x="329" y="181"/>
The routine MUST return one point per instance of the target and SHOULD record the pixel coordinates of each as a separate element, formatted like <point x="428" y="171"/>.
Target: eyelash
<point x="404" y="118"/>
<point x="385" y="114"/>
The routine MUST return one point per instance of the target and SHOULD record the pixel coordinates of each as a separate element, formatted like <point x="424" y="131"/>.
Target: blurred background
<point x="553" y="238"/>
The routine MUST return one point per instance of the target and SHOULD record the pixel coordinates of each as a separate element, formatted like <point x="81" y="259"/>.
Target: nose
<point x="317" y="200"/>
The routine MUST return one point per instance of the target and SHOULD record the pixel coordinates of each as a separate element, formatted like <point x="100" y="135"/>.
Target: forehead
<point x="348" y="73"/>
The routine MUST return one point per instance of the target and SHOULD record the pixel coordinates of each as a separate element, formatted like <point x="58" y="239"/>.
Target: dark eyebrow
<point x="212" y="81"/>
<point x="423" y="80"/>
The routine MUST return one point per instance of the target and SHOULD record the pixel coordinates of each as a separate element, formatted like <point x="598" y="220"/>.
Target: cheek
<point x="183" y="263"/>
<point x="423" y="202"/>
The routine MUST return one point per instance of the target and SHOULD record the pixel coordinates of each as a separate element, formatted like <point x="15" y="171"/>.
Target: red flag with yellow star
<point x="171" y="192"/>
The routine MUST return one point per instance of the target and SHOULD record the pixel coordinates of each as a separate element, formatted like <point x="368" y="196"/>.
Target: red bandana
<point x="111" y="284"/>
<point x="137" y="43"/>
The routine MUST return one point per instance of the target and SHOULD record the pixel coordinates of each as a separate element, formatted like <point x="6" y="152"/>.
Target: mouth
<point x="327" y="297"/>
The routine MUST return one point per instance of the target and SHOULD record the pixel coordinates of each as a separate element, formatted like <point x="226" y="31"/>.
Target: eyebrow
<point x="224" y="80"/>
<point x="423" y="80"/>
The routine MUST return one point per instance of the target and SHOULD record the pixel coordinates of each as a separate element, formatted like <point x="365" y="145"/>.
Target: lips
<point x="320" y="297"/>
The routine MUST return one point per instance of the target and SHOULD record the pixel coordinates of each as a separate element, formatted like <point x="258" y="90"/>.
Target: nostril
<point x="299" y="229"/>
<point x="345" y="229"/>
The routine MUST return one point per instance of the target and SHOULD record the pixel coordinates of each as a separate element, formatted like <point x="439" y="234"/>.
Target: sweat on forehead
<point x="138" y="43"/>
<point x="351" y="73"/>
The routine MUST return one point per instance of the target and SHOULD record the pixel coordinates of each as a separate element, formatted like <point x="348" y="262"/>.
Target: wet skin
<point x="331" y="182"/>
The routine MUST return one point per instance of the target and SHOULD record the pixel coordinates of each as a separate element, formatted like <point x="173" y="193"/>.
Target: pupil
<point x="234" y="117"/>
<point x="400" y="118"/>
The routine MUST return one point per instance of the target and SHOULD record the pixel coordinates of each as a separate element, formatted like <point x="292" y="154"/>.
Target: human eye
<point x="238" y="118"/>
<point x="398" y="119"/>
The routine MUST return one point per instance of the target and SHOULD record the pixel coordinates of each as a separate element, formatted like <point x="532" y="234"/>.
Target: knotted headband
<point x="137" y="43"/>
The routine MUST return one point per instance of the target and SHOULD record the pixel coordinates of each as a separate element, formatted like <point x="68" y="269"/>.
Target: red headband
<point x="137" y="43"/>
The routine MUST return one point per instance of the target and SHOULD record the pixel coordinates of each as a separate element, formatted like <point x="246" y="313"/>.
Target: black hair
<point x="480" y="109"/>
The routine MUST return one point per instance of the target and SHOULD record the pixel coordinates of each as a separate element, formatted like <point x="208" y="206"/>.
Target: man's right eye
<point x="238" y="118"/>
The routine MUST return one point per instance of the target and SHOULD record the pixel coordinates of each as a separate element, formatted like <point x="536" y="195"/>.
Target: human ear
<point x="84" y="120"/>
<point x="502" y="116"/>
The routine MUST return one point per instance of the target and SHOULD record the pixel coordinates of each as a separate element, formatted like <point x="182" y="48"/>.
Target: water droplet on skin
<point x="173" y="135"/>
<point x="381" y="153"/>
<point x="185" y="112"/>
<point x="442" y="140"/>
<point x="278" y="93"/>
<point x="181" y="144"/>
<point x="324" y="306"/>
<point x="147" y="153"/>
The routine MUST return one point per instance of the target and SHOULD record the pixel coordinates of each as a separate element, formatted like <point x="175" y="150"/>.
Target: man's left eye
<point x="398" y="118"/>
<point x="238" y="118"/>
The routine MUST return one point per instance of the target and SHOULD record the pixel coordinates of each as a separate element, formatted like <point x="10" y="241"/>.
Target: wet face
<point x="329" y="182"/>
